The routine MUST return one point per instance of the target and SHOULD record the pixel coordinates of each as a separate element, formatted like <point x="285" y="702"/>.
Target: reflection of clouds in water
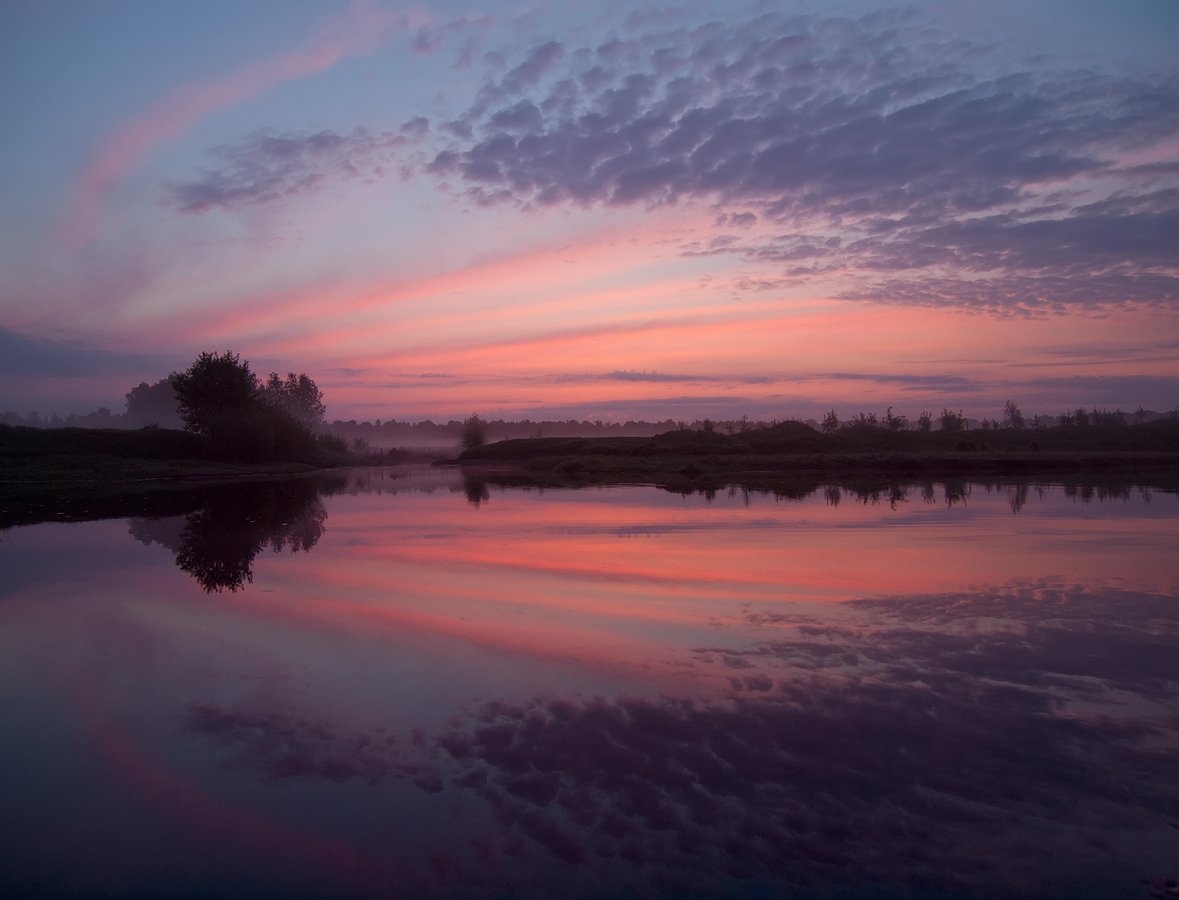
<point x="1031" y="634"/>
<point x="883" y="784"/>
<point x="280" y="747"/>
<point x="928" y="741"/>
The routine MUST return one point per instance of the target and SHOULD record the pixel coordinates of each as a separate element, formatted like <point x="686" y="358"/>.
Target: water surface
<point x="414" y="685"/>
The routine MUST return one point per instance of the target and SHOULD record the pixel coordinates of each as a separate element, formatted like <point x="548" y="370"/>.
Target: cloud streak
<point x="852" y="147"/>
<point x="127" y="146"/>
<point x="20" y="355"/>
<point x="267" y="167"/>
<point x="583" y="212"/>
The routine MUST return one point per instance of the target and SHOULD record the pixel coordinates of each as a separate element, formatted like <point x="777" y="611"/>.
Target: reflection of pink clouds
<point x="128" y="146"/>
<point x="619" y="578"/>
<point x="602" y="597"/>
<point x="678" y="570"/>
<point x="217" y="822"/>
<point x="622" y="585"/>
<point x="541" y="552"/>
<point x="343" y="601"/>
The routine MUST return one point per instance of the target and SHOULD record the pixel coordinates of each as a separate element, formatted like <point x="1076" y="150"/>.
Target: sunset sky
<point x="615" y="210"/>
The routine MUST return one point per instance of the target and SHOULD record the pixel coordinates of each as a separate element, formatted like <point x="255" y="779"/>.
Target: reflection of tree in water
<point x="475" y="489"/>
<point x="218" y="542"/>
<point x="1017" y="496"/>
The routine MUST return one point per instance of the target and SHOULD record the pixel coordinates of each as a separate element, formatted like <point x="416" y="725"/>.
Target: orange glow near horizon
<point x="787" y="353"/>
<point x="609" y="318"/>
<point x="434" y="213"/>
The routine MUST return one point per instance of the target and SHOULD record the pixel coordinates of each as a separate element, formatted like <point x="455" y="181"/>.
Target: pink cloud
<point x="543" y="279"/>
<point x="356" y="33"/>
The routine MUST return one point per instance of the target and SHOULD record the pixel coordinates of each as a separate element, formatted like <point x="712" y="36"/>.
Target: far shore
<point x="66" y="458"/>
<point x="792" y="450"/>
<point x="48" y="462"/>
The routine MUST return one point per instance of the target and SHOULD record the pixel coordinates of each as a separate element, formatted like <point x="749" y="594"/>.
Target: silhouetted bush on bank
<point x="261" y="434"/>
<point x="243" y="418"/>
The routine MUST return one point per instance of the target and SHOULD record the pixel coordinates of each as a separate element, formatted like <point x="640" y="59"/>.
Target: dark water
<point x="412" y="685"/>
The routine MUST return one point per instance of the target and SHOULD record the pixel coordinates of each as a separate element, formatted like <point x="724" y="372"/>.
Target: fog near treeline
<point x="155" y="405"/>
<point x="393" y="433"/>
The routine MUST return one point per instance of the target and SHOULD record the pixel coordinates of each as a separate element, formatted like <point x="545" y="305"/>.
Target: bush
<point x="220" y="398"/>
<point x="474" y="433"/>
<point x="952" y="421"/>
<point x="213" y="391"/>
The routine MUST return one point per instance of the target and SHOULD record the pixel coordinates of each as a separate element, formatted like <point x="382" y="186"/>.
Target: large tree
<point x="214" y="391"/>
<point x="222" y="399"/>
<point x="1012" y="416"/>
<point x="298" y="396"/>
<point x="153" y="404"/>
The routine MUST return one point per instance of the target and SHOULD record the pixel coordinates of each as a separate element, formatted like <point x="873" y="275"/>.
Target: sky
<point x="614" y="210"/>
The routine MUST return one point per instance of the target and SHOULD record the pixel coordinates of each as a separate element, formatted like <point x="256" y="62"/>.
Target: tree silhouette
<point x="221" y="399"/>
<point x="213" y="391"/>
<point x="474" y="433"/>
<point x="1012" y="416"/>
<point x="952" y="421"/>
<point x="297" y="396"/>
<point x="154" y="404"/>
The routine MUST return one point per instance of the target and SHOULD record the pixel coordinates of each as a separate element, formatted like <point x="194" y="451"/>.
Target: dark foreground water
<point x="412" y="685"/>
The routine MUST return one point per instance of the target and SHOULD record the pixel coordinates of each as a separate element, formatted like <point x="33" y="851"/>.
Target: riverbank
<point x="106" y="462"/>
<point x="86" y="456"/>
<point x="793" y="450"/>
<point x="75" y="474"/>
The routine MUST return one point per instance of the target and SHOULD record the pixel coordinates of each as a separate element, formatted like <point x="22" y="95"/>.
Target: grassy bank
<point x="107" y="461"/>
<point x="794" y="449"/>
<point x="30" y="456"/>
<point x="68" y="474"/>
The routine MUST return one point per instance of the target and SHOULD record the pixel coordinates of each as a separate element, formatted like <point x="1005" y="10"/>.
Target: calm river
<point x="407" y="684"/>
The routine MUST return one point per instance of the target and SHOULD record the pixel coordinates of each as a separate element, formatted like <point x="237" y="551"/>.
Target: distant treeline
<point x="391" y="433"/>
<point x="232" y="412"/>
<point x="378" y="434"/>
<point x="100" y="418"/>
<point x="394" y="433"/>
<point x="154" y="405"/>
